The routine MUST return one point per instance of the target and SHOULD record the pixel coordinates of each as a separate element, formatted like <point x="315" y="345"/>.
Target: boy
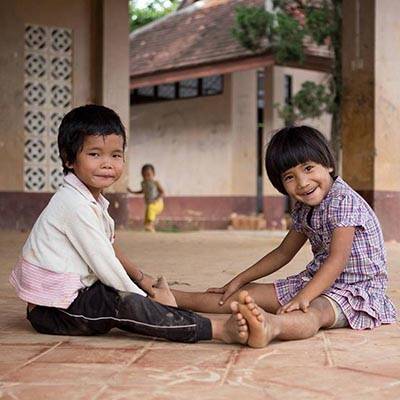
<point x="153" y="196"/>
<point x="75" y="280"/>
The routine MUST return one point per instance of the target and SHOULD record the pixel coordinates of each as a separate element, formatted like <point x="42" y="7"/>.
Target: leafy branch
<point x="284" y="30"/>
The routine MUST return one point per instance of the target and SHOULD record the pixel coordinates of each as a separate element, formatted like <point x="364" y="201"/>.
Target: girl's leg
<point x="264" y="327"/>
<point x="262" y="293"/>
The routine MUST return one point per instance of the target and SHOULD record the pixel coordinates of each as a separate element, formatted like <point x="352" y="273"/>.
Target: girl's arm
<point x="145" y="281"/>
<point x="339" y="253"/>
<point x="270" y="263"/>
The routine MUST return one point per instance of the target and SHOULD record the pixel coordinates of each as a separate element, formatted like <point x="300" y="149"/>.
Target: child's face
<point x="100" y="163"/>
<point x="148" y="174"/>
<point x="308" y="183"/>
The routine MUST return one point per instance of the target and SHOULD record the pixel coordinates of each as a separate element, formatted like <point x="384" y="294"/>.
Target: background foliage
<point x="285" y="29"/>
<point x="155" y="9"/>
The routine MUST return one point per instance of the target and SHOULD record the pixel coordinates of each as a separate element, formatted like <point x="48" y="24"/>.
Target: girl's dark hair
<point x="296" y="145"/>
<point x="148" y="166"/>
<point x="85" y="121"/>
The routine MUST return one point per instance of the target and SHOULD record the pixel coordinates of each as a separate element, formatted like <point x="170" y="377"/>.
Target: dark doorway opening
<point x="260" y="136"/>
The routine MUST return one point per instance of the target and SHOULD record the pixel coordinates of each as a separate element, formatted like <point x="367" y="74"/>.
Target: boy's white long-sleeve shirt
<point x="69" y="248"/>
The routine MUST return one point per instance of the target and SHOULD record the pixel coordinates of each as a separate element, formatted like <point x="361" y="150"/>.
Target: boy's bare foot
<point x="260" y="331"/>
<point x="149" y="227"/>
<point x="163" y="294"/>
<point x="235" y="328"/>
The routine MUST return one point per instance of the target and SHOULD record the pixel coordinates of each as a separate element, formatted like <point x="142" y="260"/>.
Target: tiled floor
<point x="335" y="364"/>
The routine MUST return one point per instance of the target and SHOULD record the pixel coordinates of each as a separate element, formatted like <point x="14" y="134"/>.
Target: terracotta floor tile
<point x="50" y="392"/>
<point x="331" y="381"/>
<point x="6" y="367"/>
<point x="20" y="353"/>
<point x="51" y="373"/>
<point x="85" y="355"/>
<point x="177" y="359"/>
<point x="209" y="392"/>
<point x="334" y="365"/>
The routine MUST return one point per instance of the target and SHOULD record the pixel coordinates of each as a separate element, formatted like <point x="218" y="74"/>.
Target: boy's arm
<point x="134" y="191"/>
<point x="161" y="192"/>
<point x="145" y="281"/>
<point x="270" y="263"/>
<point x="86" y="235"/>
<point x="339" y="253"/>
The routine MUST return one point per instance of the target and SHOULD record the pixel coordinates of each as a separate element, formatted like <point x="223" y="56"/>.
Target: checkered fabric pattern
<point x="360" y="288"/>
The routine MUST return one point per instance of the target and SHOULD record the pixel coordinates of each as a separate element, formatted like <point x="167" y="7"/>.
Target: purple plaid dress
<point x="360" y="288"/>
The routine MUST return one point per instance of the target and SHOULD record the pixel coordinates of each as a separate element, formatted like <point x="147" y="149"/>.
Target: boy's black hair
<point x="296" y="145"/>
<point x="88" y="120"/>
<point x="148" y="166"/>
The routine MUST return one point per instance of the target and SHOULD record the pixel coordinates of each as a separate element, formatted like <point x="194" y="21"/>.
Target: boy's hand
<point x="147" y="284"/>
<point x="298" y="302"/>
<point x="231" y="287"/>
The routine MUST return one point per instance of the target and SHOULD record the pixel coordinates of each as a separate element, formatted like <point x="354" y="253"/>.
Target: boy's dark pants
<point x="99" y="308"/>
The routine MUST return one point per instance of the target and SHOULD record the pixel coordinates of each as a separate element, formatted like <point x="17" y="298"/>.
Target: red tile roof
<point x="195" y="35"/>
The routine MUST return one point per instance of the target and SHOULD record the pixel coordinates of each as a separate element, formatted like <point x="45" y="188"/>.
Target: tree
<point x="155" y="9"/>
<point x="286" y="28"/>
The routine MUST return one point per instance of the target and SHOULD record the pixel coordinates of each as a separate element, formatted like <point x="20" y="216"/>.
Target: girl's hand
<point x="231" y="287"/>
<point x="297" y="303"/>
<point x="146" y="283"/>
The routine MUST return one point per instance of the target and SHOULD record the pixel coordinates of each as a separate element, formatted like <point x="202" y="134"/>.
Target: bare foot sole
<point x="260" y="331"/>
<point x="163" y="293"/>
<point x="235" y="329"/>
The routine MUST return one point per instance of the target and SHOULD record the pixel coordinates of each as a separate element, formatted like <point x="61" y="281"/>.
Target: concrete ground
<point x="335" y="364"/>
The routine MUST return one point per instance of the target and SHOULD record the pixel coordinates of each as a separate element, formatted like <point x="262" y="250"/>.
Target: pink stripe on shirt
<point x="40" y="286"/>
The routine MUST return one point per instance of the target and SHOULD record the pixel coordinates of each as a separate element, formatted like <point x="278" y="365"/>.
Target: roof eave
<point x="312" y="62"/>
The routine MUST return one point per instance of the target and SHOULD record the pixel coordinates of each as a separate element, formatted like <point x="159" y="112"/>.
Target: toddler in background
<point x="153" y="196"/>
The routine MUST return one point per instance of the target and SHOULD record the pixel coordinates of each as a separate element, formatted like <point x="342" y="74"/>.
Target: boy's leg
<point x="262" y="293"/>
<point x="149" y="219"/>
<point x="85" y="316"/>
<point x="141" y="315"/>
<point x="264" y="327"/>
<point x="99" y="308"/>
<point x="152" y="211"/>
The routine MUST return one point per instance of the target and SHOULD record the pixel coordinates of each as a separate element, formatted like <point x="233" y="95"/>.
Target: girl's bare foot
<point x="234" y="329"/>
<point x="163" y="294"/>
<point x="260" y="330"/>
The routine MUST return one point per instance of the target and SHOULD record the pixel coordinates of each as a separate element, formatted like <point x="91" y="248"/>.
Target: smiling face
<point x="100" y="162"/>
<point x="308" y="183"/>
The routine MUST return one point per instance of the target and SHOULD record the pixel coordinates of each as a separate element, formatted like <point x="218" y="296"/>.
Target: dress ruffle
<point x="362" y="308"/>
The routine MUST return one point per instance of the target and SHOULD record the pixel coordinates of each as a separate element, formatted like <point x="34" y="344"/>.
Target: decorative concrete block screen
<point x="47" y="97"/>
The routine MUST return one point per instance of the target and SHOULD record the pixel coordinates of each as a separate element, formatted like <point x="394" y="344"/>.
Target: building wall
<point x="371" y="104"/>
<point x="13" y="17"/>
<point x="187" y="141"/>
<point x="387" y="100"/>
<point x="274" y="202"/>
<point x="205" y="149"/>
<point x="100" y="75"/>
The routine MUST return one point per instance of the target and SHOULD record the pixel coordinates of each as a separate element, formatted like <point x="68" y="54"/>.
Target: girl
<point x="343" y="286"/>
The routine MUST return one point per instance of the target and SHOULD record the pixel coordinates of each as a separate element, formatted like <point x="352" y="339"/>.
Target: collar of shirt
<point x="72" y="180"/>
